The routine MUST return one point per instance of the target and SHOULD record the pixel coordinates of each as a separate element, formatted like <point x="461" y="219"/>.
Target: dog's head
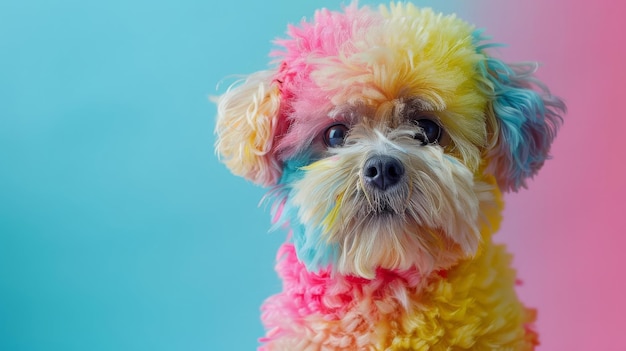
<point x="384" y="135"/>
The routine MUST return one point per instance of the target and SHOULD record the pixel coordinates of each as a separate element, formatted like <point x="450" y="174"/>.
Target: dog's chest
<point x="471" y="306"/>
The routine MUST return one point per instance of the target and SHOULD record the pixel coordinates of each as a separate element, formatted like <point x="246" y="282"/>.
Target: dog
<point x="386" y="138"/>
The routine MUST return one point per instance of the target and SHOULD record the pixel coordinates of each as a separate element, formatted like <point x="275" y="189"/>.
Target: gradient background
<point x="119" y="230"/>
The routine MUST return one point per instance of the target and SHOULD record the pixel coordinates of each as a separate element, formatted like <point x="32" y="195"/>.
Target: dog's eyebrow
<point x="426" y="105"/>
<point x="350" y="112"/>
<point x="407" y="109"/>
<point x="420" y="105"/>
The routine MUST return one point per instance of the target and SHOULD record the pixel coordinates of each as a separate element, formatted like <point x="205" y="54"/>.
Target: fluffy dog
<point x="386" y="138"/>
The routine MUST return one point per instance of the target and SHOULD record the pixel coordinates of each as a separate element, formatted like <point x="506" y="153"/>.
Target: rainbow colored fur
<point x="386" y="138"/>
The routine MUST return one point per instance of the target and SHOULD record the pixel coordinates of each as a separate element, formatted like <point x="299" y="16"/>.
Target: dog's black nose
<point x="383" y="171"/>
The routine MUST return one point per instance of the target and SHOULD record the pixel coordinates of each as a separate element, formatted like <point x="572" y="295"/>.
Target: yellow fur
<point x="246" y="123"/>
<point x="474" y="307"/>
<point x="415" y="52"/>
<point x="407" y="267"/>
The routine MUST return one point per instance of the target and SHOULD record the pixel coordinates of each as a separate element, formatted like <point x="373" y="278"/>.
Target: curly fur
<point x="411" y="266"/>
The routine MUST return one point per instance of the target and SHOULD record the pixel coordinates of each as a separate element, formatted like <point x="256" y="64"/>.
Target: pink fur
<point x="328" y="35"/>
<point x="308" y="297"/>
<point x="389" y="232"/>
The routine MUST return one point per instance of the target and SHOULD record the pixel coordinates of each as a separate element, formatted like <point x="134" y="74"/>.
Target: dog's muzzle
<point x="382" y="172"/>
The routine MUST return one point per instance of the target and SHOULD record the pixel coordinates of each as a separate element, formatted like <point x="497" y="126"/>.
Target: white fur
<point x="436" y="207"/>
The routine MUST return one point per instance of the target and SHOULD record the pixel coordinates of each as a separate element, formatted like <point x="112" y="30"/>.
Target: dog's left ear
<point x="247" y="124"/>
<point x="522" y="120"/>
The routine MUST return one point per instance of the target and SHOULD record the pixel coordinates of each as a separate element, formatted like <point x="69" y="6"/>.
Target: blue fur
<point x="308" y="241"/>
<point x="479" y="39"/>
<point x="528" y="118"/>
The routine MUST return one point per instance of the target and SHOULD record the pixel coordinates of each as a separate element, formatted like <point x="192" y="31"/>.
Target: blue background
<point x="119" y="228"/>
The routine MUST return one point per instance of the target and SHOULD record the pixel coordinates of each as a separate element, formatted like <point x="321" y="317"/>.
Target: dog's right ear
<point x="247" y="121"/>
<point x="522" y="118"/>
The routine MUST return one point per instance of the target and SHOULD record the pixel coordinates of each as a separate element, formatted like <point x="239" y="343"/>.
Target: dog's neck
<point x="331" y="293"/>
<point x="401" y="307"/>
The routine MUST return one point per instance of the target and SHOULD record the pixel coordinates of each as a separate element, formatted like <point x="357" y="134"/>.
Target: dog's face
<point x="385" y="135"/>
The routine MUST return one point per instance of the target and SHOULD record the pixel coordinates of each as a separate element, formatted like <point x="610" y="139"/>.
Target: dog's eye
<point x="335" y="135"/>
<point x="430" y="131"/>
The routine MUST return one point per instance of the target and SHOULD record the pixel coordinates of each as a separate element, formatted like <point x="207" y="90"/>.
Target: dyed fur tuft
<point x="387" y="138"/>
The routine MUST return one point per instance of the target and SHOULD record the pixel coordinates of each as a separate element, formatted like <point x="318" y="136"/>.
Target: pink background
<point x="567" y="230"/>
